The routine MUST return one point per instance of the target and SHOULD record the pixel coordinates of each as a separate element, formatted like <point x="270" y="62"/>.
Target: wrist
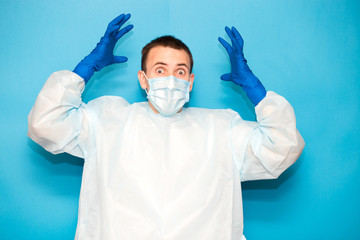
<point x="255" y="91"/>
<point x="84" y="70"/>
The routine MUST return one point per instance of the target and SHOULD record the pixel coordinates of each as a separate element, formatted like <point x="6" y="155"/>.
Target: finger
<point x="226" y="45"/>
<point x="126" y="17"/>
<point x="236" y="33"/>
<point x="116" y="24"/>
<point x="238" y="36"/>
<point x="230" y="34"/>
<point x="112" y="30"/>
<point x="116" y="20"/>
<point x="235" y="44"/>
<point x="123" y="31"/>
<point x="226" y="77"/>
<point x="120" y="59"/>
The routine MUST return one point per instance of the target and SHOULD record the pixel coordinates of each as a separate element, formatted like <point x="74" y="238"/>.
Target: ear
<point x="192" y="76"/>
<point x="142" y="80"/>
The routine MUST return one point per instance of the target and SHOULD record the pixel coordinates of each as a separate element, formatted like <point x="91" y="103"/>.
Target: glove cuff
<point x="84" y="70"/>
<point x="255" y="90"/>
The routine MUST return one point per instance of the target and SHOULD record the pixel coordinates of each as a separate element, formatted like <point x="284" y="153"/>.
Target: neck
<point x="153" y="108"/>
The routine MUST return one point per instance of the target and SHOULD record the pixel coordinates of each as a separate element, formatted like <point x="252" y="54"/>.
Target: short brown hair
<point x="165" y="41"/>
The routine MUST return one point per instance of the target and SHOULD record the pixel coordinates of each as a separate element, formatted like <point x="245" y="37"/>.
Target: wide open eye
<point x="181" y="72"/>
<point x="159" y="70"/>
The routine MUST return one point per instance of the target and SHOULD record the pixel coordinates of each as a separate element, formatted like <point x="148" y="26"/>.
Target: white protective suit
<point x="148" y="177"/>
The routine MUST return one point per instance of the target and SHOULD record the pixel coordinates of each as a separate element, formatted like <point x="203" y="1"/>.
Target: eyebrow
<point x="160" y="63"/>
<point x="165" y="64"/>
<point x="183" y="64"/>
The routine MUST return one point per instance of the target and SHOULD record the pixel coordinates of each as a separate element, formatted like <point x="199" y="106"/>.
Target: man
<point x="155" y="170"/>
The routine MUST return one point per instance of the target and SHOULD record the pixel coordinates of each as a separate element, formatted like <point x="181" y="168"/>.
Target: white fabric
<point x="150" y="177"/>
<point x="168" y="94"/>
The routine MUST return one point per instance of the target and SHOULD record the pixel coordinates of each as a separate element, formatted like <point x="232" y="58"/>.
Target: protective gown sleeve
<point x="266" y="148"/>
<point x="59" y="120"/>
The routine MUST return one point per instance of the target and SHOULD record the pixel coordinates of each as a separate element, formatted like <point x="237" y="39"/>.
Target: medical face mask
<point x="168" y="94"/>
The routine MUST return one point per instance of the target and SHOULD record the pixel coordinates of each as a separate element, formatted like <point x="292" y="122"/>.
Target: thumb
<point x="120" y="59"/>
<point x="226" y="77"/>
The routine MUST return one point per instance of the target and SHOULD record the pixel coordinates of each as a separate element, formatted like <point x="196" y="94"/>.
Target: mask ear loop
<point x="147" y="92"/>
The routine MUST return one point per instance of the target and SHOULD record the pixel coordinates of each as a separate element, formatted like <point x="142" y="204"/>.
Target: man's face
<point x="165" y="61"/>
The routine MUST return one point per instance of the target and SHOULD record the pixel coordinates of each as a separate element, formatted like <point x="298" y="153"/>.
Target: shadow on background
<point x="54" y="175"/>
<point x="273" y="184"/>
<point x="55" y="159"/>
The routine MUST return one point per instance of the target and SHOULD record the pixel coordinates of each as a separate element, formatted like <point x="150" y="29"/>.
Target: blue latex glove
<point x="240" y="71"/>
<point x="102" y="55"/>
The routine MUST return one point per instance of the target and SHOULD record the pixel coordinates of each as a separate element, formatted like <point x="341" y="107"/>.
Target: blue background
<point x="307" y="51"/>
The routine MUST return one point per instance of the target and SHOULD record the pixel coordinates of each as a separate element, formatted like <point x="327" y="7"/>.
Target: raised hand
<point x="240" y="71"/>
<point x="102" y="55"/>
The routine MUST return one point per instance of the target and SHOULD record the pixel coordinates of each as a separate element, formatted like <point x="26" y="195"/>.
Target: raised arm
<point x="265" y="148"/>
<point x="59" y="121"/>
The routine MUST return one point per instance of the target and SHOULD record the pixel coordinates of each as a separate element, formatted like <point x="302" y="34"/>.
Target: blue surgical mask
<point x="168" y="94"/>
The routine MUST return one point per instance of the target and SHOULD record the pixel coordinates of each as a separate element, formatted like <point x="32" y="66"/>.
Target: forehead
<point x="167" y="55"/>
